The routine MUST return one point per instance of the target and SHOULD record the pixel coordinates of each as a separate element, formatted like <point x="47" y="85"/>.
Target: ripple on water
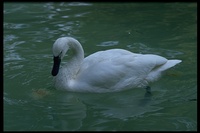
<point x="108" y="43"/>
<point x="15" y="26"/>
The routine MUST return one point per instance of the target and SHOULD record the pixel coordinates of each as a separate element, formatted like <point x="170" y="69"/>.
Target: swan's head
<point x="60" y="47"/>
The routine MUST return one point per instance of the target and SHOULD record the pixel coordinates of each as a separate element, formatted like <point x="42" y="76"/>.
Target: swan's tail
<point x="169" y="64"/>
<point x="156" y="73"/>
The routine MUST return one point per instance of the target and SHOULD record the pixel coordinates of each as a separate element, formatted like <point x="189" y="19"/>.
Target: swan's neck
<point x="78" y="53"/>
<point x="74" y="63"/>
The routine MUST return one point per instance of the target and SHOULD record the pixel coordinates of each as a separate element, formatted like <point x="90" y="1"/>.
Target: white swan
<point x="104" y="71"/>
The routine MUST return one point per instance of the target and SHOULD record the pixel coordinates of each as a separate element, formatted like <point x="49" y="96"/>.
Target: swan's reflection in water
<point x="68" y="110"/>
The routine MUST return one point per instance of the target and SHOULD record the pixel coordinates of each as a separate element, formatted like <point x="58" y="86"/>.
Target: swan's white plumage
<point x="106" y="71"/>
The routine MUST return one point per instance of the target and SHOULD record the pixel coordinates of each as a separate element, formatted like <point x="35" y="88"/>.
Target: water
<point x="32" y="103"/>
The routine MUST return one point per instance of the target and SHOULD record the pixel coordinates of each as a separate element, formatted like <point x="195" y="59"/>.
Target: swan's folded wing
<point x="107" y="68"/>
<point x="112" y="68"/>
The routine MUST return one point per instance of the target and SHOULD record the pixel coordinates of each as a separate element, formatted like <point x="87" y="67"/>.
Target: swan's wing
<point x="107" y="68"/>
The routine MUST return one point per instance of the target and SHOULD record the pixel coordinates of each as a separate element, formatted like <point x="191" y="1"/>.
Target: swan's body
<point x="105" y="71"/>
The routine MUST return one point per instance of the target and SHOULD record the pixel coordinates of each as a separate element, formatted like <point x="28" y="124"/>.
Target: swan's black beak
<point x="56" y="65"/>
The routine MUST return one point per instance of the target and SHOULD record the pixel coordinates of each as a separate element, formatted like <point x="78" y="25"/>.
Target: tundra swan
<point x="104" y="71"/>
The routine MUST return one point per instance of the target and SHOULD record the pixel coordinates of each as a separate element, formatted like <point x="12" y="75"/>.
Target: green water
<point x="30" y="102"/>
